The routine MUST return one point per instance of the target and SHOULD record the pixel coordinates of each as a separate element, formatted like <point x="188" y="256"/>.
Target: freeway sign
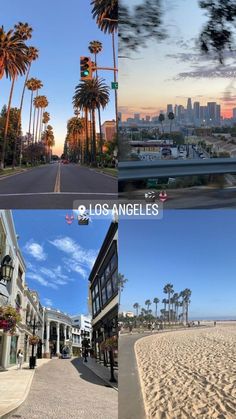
<point x="114" y="85"/>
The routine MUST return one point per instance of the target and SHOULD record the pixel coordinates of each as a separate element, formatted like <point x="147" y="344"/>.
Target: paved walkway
<point x="102" y="372"/>
<point x="67" y="389"/>
<point x="15" y="385"/>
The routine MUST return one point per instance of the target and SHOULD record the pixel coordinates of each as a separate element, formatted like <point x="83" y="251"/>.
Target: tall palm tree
<point x="171" y="117"/>
<point x="75" y="127"/>
<point x="161" y="119"/>
<point x="46" y="119"/>
<point x="48" y="140"/>
<point x="136" y="306"/>
<point x="95" y="47"/>
<point x="106" y="14"/>
<point x="148" y="303"/>
<point x="90" y="95"/>
<point x="40" y="103"/>
<point x="164" y="301"/>
<point x="23" y="30"/>
<point x="33" y="54"/>
<point x="175" y="300"/>
<point x="168" y="289"/>
<point x="156" y="301"/>
<point x="186" y="298"/>
<point x="35" y="87"/>
<point x="14" y="61"/>
<point x="121" y="284"/>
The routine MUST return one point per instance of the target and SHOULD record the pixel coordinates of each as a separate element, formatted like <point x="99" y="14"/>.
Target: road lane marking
<point x="57" y="187"/>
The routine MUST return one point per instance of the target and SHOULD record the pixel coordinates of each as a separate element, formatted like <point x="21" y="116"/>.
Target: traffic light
<point x="86" y="71"/>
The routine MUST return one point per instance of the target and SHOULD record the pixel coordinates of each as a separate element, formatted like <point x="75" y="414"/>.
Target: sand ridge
<point x="189" y="374"/>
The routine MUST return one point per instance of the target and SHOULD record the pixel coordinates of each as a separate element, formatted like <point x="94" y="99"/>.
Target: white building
<point x="17" y="295"/>
<point x="57" y="333"/>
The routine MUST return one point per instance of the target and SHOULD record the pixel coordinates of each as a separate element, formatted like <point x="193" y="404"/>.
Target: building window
<point x="2" y="241"/>
<point x="18" y="302"/>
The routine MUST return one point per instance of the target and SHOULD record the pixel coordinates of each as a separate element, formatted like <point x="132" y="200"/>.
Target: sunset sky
<point x="173" y="70"/>
<point x="62" y="32"/>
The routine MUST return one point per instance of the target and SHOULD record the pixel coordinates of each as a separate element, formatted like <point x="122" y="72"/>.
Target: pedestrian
<point x="19" y="359"/>
<point x="153" y="326"/>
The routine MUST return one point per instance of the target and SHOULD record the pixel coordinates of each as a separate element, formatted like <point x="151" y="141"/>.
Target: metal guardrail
<point x="137" y="170"/>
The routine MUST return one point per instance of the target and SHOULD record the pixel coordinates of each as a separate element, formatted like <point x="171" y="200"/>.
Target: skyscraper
<point x="189" y="110"/>
<point x="211" y="106"/>
<point x="196" y="112"/>
<point x="169" y="108"/>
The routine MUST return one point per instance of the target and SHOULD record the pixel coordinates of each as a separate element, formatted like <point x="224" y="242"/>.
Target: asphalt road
<point x="55" y="186"/>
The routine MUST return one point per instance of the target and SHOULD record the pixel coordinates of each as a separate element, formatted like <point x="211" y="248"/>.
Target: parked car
<point x="65" y="355"/>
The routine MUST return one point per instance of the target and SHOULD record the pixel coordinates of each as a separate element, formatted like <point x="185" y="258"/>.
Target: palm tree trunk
<point x="86" y="137"/>
<point x="94" y="137"/>
<point x="99" y="113"/>
<point x="169" y="307"/>
<point x="31" y="107"/>
<point x="7" y="125"/>
<point x="115" y="78"/>
<point x="34" y="118"/>
<point x="19" y="117"/>
<point x="37" y="124"/>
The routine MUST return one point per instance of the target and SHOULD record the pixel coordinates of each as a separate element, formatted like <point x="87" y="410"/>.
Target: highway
<point x="55" y="186"/>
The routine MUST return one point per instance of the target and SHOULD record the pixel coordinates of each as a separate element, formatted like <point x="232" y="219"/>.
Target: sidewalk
<point x="15" y="386"/>
<point x="102" y="372"/>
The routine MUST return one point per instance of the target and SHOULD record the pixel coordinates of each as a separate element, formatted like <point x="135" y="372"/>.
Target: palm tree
<point x="161" y="119"/>
<point x="35" y="87"/>
<point x="40" y="103"/>
<point x="46" y="119"/>
<point x="186" y="294"/>
<point x="48" y="140"/>
<point x="95" y="47"/>
<point x="136" y="306"/>
<point x="14" y="61"/>
<point x="168" y="289"/>
<point x="171" y="117"/>
<point x="156" y="301"/>
<point x="164" y="301"/>
<point x="33" y="54"/>
<point x="23" y="30"/>
<point x="121" y="284"/>
<point x="90" y="95"/>
<point x="106" y="14"/>
<point x="175" y="299"/>
<point x="148" y="303"/>
<point x="75" y="127"/>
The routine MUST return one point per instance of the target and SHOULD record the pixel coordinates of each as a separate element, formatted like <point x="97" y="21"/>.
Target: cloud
<point x="35" y="250"/>
<point x="48" y="302"/>
<point x="81" y="260"/>
<point x="42" y="281"/>
<point x="206" y="72"/>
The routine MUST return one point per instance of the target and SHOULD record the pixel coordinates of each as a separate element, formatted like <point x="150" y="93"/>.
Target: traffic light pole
<point x="105" y="68"/>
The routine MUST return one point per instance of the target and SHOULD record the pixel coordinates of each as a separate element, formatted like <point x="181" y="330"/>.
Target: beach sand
<point x="189" y="374"/>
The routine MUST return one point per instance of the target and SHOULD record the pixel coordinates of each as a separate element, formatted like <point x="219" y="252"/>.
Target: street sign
<point x="114" y="85"/>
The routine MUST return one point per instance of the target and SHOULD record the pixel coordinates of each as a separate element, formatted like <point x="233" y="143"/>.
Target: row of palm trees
<point x="171" y="117"/>
<point x="174" y="301"/>
<point x="92" y="95"/>
<point x="16" y="59"/>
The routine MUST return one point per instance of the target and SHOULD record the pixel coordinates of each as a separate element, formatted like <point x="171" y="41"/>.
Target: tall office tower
<point x="180" y="112"/>
<point x="169" y="108"/>
<point x="137" y="117"/>
<point x="119" y="116"/>
<point x="189" y="110"/>
<point x="148" y="118"/>
<point x="176" y="111"/>
<point x="234" y="113"/>
<point x="196" y="112"/>
<point x="218" y="113"/>
<point x="211" y="106"/>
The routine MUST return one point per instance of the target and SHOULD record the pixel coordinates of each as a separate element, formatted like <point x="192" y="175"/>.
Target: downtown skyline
<point x="174" y="69"/>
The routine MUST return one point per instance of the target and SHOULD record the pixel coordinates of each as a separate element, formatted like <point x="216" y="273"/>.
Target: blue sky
<point x="59" y="257"/>
<point x="62" y="32"/>
<point x="172" y="70"/>
<point x="190" y="249"/>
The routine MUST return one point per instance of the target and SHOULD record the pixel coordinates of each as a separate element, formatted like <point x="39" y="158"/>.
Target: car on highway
<point x="65" y="161"/>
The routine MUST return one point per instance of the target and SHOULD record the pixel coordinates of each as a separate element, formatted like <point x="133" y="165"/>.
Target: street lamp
<point x="6" y="273"/>
<point x="85" y="346"/>
<point x="33" y="325"/>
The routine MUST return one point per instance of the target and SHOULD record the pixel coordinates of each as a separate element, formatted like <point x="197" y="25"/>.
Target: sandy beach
<point x="190" y="373"/>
